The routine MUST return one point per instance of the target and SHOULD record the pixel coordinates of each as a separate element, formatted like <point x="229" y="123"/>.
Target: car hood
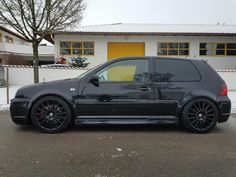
<point x="66" y="86"/>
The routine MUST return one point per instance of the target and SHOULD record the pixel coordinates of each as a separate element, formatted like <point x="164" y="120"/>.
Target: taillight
<point x="223" y="90"/>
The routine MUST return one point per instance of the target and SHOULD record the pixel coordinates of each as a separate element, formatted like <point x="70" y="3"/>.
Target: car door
<point x="124" y="91"/>
<point x="175" y="80"/>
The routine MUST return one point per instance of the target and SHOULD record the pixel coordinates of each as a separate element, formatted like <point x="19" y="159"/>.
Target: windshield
<point x="87" y="72"/>
<point x="83" y="74"/>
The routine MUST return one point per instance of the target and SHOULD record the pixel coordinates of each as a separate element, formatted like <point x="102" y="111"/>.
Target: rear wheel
<point x="51" y="114"/>
<point x="200" y="115"/>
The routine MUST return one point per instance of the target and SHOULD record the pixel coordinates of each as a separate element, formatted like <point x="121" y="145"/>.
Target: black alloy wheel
<point x="200" y="115"/>
<point x="51" y="114"/>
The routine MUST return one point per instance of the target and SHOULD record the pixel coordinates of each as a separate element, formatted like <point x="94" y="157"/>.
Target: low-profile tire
<point x="200" y="115"/>
<point x="51" y="114"/>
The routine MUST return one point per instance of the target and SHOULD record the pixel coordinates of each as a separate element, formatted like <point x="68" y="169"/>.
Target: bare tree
<point x="34" y="19"/>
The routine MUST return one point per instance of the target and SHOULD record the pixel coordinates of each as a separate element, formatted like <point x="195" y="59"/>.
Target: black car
<point x="134" y="90"/>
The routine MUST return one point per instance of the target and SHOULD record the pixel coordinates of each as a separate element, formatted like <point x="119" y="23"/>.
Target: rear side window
<point x="168" y="70"/>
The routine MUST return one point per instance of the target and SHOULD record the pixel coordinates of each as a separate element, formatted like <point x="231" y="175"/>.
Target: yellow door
<point x="124" y="49"/>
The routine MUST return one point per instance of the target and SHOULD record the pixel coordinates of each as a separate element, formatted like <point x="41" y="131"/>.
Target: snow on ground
<point x="13" y="89"/>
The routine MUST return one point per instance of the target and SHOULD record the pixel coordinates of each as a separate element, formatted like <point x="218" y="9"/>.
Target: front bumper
<point x="225" y="109"/>
<point x="19" y="110"/>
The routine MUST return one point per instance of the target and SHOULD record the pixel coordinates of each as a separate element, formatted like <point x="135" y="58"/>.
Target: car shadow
<point x="128" y="128"/>
<point x="27" y="128"/>
<point x="168" y="128"/>
<point x="112" y="128"/>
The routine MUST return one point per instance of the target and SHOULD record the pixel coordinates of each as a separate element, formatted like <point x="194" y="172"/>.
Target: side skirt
<point x="126" y="119"/>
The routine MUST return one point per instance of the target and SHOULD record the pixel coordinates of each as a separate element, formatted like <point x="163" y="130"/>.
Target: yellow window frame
<point x="167" y="49"/>
<point x="71" y="48"/>
<point x="215" y="49"/>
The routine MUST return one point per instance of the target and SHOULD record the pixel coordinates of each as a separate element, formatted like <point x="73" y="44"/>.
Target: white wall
<point x="228" y="62"/>
<point x="21" y="76"/>
<point x="46" y="74"/>
<point x="230" y="79"/>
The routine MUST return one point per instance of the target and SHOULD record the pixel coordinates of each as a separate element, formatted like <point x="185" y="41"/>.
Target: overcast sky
<point x="160" y="11"/>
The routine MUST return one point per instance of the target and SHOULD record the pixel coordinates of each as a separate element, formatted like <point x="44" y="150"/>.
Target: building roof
<point x="134" y="29"/>
<point x="154" y="28"/>
<point x="12" y="33"/>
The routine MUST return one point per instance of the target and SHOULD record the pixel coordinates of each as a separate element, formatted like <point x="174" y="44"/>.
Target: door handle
<point x="145" y="88"/>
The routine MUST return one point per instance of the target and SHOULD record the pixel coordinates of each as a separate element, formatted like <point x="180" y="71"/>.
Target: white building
<point x="99" y="43"/>
<point x="14" y="49"/>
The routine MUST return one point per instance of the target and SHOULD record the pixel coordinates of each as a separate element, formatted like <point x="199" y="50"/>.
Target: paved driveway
<point x="117" y="151"/>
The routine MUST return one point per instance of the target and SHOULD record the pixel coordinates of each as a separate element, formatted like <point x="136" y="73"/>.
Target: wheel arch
<point x="70" y="104"/>
<point x="199" y="97"/>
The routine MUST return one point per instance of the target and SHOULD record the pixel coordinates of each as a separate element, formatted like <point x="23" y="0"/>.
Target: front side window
<point x="125" y="71"/>
<point x="173" y="48"/>
<point x="217" y="49"/>
<point x="167" y="70"/>
<point x="76" y="48"/>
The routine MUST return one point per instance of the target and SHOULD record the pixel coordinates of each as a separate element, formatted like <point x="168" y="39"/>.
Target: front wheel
<point x="51" y="114"/>
<point x="200" y="115"/>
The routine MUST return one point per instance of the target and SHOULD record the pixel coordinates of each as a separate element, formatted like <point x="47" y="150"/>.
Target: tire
<point x="51" y="114"/>
<point x="199" y="116"/>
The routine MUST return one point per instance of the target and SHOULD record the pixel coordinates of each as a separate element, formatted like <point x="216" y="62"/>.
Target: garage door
<point x="124" y="49"/>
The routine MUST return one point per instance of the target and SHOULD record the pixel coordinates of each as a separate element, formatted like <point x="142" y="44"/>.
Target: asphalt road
<point x="117" y="151"/>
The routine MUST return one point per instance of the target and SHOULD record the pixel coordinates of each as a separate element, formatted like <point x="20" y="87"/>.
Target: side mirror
<point x="95" y="80"/>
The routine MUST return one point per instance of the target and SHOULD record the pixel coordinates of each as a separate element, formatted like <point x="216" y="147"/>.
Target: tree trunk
<point x="36" y="61"/>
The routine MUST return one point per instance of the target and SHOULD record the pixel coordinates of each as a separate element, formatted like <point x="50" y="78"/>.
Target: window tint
<point x="128" y="70"/>
<point x="168" y="70"/>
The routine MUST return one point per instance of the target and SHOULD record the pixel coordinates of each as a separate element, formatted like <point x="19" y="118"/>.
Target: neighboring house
<point x="99" y="43"/>
<point x="15" y="50"/>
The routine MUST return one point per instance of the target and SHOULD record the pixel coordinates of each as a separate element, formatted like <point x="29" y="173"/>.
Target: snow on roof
<point x="154" y="28"/>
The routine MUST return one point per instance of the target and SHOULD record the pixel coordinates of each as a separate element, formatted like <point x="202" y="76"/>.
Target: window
<point x="168" y="70"/>
<point x="0" y="37"/>
<point x="129" y="70"/>
<point x="76" y="48"/>
<point x="173" y="48"/>
<point x="9" y="39"/>
<point x="217" y="49"/>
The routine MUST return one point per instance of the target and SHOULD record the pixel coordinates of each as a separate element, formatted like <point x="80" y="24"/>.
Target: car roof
<point x="155" y="57"/>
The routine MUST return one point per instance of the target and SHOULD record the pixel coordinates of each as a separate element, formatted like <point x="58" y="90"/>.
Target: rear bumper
<point x="225" y="108"/>
<point x="19" y="110"/>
